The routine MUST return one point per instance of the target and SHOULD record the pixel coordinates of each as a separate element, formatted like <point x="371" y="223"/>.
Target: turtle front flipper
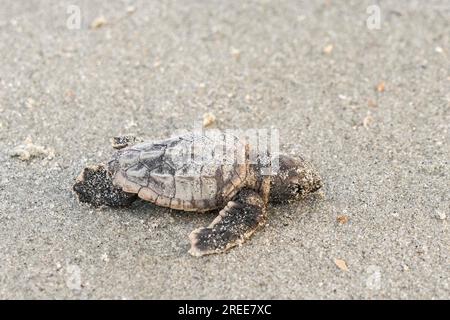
<point x="235" y="223"/>
<point x="94" y="186"/>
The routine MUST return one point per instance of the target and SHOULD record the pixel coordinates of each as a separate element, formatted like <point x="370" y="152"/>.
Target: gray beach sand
<point x="370" y="107"/>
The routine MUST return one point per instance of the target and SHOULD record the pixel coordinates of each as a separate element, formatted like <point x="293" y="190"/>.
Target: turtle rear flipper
<point x="121" y="142"/>
<point x="234" y="224"/>
<point x="94" y="186"/>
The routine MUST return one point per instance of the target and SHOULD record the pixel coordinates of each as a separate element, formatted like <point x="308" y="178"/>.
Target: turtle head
<point x="296" y="178"/>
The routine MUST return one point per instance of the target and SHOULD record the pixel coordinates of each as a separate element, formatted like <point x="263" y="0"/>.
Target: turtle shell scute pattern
<point x="187" y="172"/>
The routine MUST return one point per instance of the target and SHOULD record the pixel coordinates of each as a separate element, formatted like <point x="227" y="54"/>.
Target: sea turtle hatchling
<point x="195" y="172"/>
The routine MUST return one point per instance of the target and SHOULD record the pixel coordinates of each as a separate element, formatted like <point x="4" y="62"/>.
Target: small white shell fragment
<point x="328" y="49"/>
<point x="98" y="22"/>
<point x="235" y="53"/>
<point x="208" y="119"/>
<point x="341" y="264"/>
<point x="28" y="150"/>
<point x="441" y="215"/>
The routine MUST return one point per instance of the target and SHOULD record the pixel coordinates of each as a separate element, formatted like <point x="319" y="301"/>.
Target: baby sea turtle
<point x="197" y="172"/>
